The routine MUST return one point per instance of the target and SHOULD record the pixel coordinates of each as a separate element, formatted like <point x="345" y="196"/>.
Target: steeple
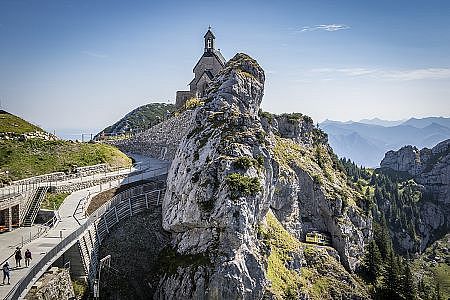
<point x="209" y="40"/>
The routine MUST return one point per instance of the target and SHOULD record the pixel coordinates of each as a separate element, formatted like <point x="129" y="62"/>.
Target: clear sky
<point x="85" y="63"/>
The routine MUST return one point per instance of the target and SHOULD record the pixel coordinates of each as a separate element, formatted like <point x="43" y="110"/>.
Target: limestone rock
<point x="430" y="170"/>
<point x="225" y="176"/>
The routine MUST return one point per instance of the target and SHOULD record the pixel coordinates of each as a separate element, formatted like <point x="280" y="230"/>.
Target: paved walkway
<point x="65" y="226"/>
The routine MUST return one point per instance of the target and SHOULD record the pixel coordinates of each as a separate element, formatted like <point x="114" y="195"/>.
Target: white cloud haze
<point x="325" y="27"/>
<point x="401" y="75"/>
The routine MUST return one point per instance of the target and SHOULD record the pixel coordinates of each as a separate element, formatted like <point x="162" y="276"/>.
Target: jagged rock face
<point x="224" y="178"/>
<point x="303" y="205"/>
<point x="295" y="126"/>
<point x="430" y="169"/>
<point x="203" y="212"/>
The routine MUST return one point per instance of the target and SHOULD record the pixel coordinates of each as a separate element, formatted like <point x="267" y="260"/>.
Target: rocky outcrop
<point x="54" y="284"/>
<point x="229" y="170"/>
<point x="14" y="136"/>
<point x="212" y="206"/>
<point x="430" y="171"/>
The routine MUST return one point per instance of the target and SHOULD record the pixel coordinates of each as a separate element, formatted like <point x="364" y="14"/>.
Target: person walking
<point x="6" y="271"/>
<point x="27" y="258"/>
<point x="18" y="256"/>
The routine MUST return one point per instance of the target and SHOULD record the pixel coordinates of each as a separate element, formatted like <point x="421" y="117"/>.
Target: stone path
<point x="65" y="226"/>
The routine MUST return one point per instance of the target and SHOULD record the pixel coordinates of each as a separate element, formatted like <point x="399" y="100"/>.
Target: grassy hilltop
<point x="33" y="157"/>
<point x="12" y="123"/>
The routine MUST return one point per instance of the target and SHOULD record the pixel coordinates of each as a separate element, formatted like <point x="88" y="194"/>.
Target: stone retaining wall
<point x="160" y="141"/>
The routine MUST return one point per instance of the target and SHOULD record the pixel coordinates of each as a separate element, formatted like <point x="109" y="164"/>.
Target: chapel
<point x="209" y="64"/>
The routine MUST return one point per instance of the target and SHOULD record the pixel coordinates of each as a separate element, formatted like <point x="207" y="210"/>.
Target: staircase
<point x="34" y="206"/>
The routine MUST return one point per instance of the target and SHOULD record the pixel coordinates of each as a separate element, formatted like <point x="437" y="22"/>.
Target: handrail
<point x="21" y="286"/>
<point x="23" y="185"/>
<point x="35" y="204"/>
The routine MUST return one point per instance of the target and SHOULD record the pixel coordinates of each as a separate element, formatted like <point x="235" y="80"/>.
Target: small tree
<point x="409" y="289"/>
<point x="391" y="283"/>
<point x="372" y="261"/>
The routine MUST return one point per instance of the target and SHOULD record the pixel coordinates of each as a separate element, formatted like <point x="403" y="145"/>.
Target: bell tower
<point x="209" y="40"/>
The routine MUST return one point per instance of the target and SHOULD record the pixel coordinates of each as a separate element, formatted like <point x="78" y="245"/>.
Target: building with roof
<point x="209" y="64"/>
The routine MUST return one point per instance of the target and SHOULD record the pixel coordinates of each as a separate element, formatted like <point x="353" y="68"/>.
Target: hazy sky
<point x="84" y="64"/>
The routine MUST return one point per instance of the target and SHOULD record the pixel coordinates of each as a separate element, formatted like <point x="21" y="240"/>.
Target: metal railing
<point x="67" y="242"/>
<point x="26" y="184"/>
<point x="42" y="229"/>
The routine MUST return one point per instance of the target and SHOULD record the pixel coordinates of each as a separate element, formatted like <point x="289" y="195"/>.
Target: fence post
<point x="146" y="200"/>
<point x="129" y="203"/>
<point x="96" y="232"/>
<point x="106" y="224"/>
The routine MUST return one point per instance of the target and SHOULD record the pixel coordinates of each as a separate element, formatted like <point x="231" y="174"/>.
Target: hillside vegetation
<point x="12" y="123"/>
<point x="140" y="118"/>
<point x="37" y="157"/>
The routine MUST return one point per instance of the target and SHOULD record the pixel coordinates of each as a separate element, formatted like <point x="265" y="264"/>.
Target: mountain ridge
<point x="422" y="133"/>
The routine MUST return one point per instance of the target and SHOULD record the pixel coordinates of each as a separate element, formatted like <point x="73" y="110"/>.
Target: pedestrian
<point x="6" y="271"/>
<point x="18" y="256"/>
<point x="27" y="258"/>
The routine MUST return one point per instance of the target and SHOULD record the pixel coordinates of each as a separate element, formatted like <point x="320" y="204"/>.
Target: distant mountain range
<point x="366" y="141"/>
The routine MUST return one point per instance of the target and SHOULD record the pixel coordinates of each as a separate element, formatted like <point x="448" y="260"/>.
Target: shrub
<point x="260" y="160"/>
<point x="266" y="115"/>
<point x="193" y="103"/>
<point x="317" y="179"/>
<point x="242" y="185"/>
<point x="293" y="118"/>
<point x="244" y="162"/>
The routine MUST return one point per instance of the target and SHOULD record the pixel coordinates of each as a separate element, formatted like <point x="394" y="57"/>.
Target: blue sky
<point x="84" y="64"/>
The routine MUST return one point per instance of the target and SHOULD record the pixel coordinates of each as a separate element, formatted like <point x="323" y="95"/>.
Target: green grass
<point x="285" y="282"/>
<point x="11" y="123"/>
<point x="434" y="273"/>
<point x="318" y="163"/>
<point x="53" y="200"/>
<point x="442" y="273"/>
<point x="37" y="157"/>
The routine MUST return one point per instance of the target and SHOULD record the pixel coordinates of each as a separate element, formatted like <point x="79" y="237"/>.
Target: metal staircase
<point x="34" y="206"/>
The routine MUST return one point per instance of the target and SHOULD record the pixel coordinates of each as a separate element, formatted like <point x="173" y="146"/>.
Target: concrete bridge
<point x="75" y="240"/>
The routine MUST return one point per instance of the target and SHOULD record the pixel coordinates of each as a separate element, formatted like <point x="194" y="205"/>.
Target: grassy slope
<point x="53" y="200"/>
<point x="36" y="157"/>
<point x="439" y="270"/>
<point x="319" y="164"/>
<point x="323" y="277"/>
<point x="11" y="123"/>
